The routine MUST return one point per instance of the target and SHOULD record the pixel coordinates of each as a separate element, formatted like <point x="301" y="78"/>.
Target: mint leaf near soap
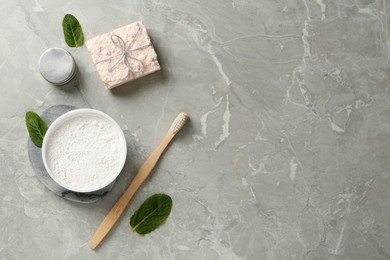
<point x="73" y="32"/>
<point x="36" y="128"/>
<point x="152" y="213"/>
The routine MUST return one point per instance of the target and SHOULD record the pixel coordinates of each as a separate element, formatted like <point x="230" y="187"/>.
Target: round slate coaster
<point x="35" y="155"/>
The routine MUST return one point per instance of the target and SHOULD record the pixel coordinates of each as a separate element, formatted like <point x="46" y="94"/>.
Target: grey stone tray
<point x="35" y="155"/>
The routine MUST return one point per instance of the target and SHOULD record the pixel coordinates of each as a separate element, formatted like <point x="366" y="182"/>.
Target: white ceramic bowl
<point x="61" y="122"/>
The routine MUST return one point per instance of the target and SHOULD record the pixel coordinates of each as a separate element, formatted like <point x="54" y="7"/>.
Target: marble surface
<point x="287" y="152"/>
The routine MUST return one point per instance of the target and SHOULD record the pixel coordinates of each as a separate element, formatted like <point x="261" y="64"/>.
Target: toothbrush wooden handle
<point x="120" y="206"/>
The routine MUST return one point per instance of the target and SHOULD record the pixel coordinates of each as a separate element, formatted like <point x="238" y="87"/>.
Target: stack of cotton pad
<point x="57" y="66"/>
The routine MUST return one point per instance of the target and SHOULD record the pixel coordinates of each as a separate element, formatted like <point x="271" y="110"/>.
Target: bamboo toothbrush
<point x="142" y="174"/>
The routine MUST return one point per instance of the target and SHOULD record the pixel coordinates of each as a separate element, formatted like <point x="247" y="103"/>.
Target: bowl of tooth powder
<point x="84" y="150"/>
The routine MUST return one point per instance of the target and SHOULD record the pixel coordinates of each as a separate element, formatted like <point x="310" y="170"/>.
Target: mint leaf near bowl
<point x="151" y="214"/>
<point x="36" y="128"/>
<point x="73" y="32"/>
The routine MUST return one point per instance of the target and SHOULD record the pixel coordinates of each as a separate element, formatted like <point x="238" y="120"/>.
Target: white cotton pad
<point x="57" y="66"/>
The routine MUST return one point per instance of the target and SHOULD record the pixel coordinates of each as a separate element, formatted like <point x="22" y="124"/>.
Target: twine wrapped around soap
<point x="125" y="55"/>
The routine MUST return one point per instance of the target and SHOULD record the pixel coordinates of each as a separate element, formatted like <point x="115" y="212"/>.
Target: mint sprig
<point x="73" y="32"/>
<point x="36" y="128"/>
<point x="151" y="214"/>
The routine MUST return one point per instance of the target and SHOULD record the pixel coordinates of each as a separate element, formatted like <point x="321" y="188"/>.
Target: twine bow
<point x="125" y="53"/>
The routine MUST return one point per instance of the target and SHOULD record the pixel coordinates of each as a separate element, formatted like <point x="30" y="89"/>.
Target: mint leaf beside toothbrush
<point x="152" y="213"/>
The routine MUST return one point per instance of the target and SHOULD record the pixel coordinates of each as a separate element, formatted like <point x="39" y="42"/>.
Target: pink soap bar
<point x="123" y="55"/>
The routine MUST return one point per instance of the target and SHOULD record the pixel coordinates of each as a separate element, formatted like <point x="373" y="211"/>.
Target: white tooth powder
<point x="85" y="152"/>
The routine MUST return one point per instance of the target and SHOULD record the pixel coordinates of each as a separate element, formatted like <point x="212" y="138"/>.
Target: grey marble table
<point x="287" y="152"/>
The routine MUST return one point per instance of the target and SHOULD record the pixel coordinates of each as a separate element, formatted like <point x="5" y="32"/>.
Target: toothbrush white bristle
<point x="179" y="122"/>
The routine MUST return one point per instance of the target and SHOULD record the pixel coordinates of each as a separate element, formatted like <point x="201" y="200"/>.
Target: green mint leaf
<point x="36" y="128"/>
<point x="73" y="32"/>
<point x="152" y="213"/>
